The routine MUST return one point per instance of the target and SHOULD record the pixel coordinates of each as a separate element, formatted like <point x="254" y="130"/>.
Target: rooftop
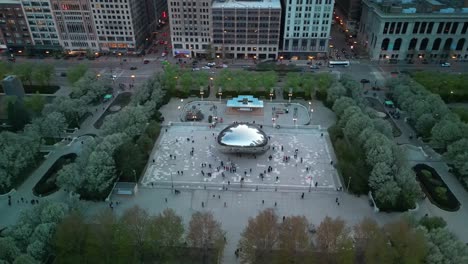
<point x="407" y="7"/>
<point x="247" y="4"/>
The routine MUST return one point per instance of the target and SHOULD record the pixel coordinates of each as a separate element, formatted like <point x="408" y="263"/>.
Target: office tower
<point x="190" y="24"/>
<point x="307" y="28"/>
<point x="246" y="29"/>
<point x="75" y="25"/>
<point x="14" y="30"/>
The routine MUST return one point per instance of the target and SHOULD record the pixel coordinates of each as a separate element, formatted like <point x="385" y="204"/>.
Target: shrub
<point x="441" y="193"/>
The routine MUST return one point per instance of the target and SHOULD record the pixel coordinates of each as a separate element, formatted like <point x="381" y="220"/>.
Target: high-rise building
<point x="121" y="25"/>
<point x="42" y="26"/>
<point x="158" y="13"/>
<point x="422" y="31"/>
<point x="246" y="29"/>
<point x="351" y="11"/>
<point x="190" y="22"/>
<point x="14" y="30"/>
<point x="307" y="28"/>
<point x="75" y="25"/>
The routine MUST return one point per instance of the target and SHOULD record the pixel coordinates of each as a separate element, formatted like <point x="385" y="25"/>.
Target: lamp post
<point x="120" y="57"/>
<point x="220" y="93"/>
<point x="211" y="82"/>
<point x="274" y="121"/>
<point x="290" y="94"/>
<point x="295" y="121"/>
<point x="133" y="80"/>
<point x="98" y="75"/>
<point x="310" y="104"/>
<point x="271" y="95"/>
<point x="201" y="93"/>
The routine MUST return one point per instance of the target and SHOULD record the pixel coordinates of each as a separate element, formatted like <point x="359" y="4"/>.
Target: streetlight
<point x="271" y="94"/>
<point x="220" y="92"/>
<point x="201" y="93"/>
<point x="211" y="82"/>
<point x="295" y="120"/>
<point x="98" y="75"/>
<point x="133" y="79"/>
<point x="274" y="121"/>
<point x="290" y="94"/>
<point x="310" y="104"/>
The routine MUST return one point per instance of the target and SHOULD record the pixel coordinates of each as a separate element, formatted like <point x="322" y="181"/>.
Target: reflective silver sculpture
<point x="242" y="138"/>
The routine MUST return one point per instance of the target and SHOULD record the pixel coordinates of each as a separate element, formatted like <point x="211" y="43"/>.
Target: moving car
<point x="146" y="61"/>
<point x="211" y="64"/>
<point x="205" y="67"/>
<point x="445" y="64"/>
<point x="133" y="68"/>
<point x="315" y="67"/>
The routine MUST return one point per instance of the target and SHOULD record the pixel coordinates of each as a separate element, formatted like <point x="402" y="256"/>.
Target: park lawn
<point x="462" y="112"/>
<point x="451" y="87"/>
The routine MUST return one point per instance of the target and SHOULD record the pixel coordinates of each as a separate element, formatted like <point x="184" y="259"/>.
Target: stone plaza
<point x="186" y="155"/>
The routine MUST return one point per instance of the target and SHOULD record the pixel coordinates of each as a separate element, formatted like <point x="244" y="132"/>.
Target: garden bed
<point x="121" y="100"/>
<point x="435" y="188"/>
<point x="377" y="105"/>
<point x="47" y="183"/>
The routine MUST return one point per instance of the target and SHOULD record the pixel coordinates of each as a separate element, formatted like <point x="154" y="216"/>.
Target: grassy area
<point x="435" y="188"/>
<point x="451" y="87"/>
<point x="462" y="112"/>
<point x="351" y="162"/>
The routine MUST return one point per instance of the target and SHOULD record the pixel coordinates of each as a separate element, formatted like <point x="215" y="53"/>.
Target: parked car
<point x="133" y="68"/>
<point x="315" y="67"/>
<point x="445" y="64"/>
<point x="211" y="64"/>
<point x="365" y="81"/>
<point x="206" y="68"/>
<point x="146" y="61"/>
<point x="195" y="69"/>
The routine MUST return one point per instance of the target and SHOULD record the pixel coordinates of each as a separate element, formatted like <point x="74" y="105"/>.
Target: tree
<point x="135" y="221"/>
<point x="333" y="239"/>
<point x="166" y="231"/>
<point x="260" y="237"/>
<point x="205" y="232"/>
<point x="69" y="177"/>
<point x="128" y="159"/>
<point x="131" y="120"/>
<point x="8" y="249"/>
<point x="446" y="132"/>
<point x="293" y="238"/>
<point x="24" y="71"/>
<point x="341" y="104"/>
<point x="424" y="124"/>
<point x="76" y="72"/>
<point x="409" y="186"/>
<point x="40" y="241"/>
<point x="70" y="239"/>
<point x="355" y="125"/>
<point x="335" y="92"/>
<point x="409" y="244"/>
<point x="186" y="82"/>
<point x="39" y="77"/>
<point x="347" y="114"/>
<point x="371" y="241"/>
<point x="25" y="259"/>
<point x="445" y="247"/>
<point x="99" y="173"/>
<point x="72" y="109"/>
<point x="35" y="103"/>
<point x="383" y="126"/>
<point x="52" y="125"/>
<point x="433" y="222"/>
<point x="457" y="154"/>
<point x="378" y="149"/>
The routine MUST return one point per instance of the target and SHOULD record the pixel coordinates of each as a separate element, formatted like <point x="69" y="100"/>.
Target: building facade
<point x="14" y="30"/>
<point x="190" y="24"/>
<point x="307" y="28"/>
<point x="121" y="25"/>
<point x="429" y="31"/>
<point x="75" y="25"/>
<point x="42" y="26"/>
<point x="246" y="29"/>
